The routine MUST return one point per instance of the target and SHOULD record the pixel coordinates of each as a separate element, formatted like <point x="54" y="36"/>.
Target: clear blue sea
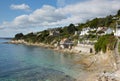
<point x="30" y="63"/>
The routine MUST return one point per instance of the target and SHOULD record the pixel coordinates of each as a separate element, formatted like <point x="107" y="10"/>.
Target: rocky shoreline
<point x="102" y="67"/>
<point x="68" y="51"/>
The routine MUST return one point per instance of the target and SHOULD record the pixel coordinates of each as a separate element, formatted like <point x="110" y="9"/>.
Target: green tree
<point x="108" y="20"/>
<point x="19" y="36"/>
<point x="118" y="13"/>
<point x="94" y="23"/>
<point x="71" y="29"/>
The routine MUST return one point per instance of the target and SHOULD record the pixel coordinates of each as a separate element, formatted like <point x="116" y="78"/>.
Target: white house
<point x="117" y="31"/>
<point x="85" y="31"/>
<point x="101" y="31"/>
<point x="93" y="29"/>
<point x="109" y="31"/>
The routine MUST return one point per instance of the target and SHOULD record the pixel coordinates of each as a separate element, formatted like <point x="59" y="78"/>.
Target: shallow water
<point x="30" y="63"/>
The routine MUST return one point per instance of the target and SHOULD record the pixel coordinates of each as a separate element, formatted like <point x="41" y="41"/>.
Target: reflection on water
<point x="30" y="63"/>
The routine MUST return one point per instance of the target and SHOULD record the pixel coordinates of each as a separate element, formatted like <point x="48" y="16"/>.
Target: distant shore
<point x="67" y="51"/>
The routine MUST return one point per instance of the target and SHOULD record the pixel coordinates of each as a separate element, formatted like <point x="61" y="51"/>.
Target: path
<point x="117" y="55"/>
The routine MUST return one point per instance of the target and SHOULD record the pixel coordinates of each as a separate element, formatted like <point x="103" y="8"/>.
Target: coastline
<point x="98" y="62"/>
<point x="66" y="51"/>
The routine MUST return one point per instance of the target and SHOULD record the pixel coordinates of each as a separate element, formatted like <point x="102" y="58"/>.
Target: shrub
<point x="105" y="42"/>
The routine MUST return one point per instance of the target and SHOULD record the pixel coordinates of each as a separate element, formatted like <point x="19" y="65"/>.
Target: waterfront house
<point x="66" y="43"/>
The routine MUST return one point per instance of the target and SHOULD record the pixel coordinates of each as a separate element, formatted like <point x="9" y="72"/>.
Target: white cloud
<point x="82" y="11"/>
<point x="48" y="16"/>
<point x="20" y="7"/>
<point x="40" y="17"/>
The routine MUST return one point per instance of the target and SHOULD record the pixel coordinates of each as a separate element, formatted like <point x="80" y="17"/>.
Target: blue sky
<point x="36" y="15"/>
<point x="9" y="14"/>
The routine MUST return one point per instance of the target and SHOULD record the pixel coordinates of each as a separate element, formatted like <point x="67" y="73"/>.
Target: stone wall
<point x="83" y="48"/>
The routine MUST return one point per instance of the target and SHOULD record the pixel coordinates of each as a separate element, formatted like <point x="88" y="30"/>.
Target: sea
<point x="20" y="62"/>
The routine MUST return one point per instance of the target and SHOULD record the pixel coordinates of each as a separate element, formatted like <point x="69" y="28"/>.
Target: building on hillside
<point x="54" y="32"/>
<point x="117" y="31"/>
<point x="93" y="29"/>
<point x="77" y="33"/>
<point x="101" y="31"/>
<point x="109" y="31"/>
<point x="84" y="31"/>
<point x="66" y="43"/>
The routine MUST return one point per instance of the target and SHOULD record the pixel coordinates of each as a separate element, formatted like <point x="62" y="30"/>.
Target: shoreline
<point x="95" y="74"/>
<point x="63" y="51"/>
<point x="66" y="51"/>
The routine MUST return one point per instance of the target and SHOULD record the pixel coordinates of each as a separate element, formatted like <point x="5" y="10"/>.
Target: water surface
<point x="30" y="63"/>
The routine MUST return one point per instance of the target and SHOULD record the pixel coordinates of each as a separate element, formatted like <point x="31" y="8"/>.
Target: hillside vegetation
<point x="104" y="43"/>
<point x="69" y="32"/>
